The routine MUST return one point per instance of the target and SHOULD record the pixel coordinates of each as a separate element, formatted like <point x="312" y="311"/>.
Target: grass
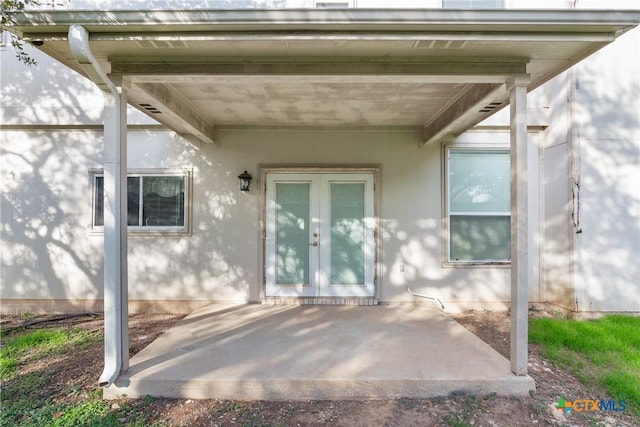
<point x="603" y="352"/>
<point x="25" y="399"/>
<point x="37" y="344"/>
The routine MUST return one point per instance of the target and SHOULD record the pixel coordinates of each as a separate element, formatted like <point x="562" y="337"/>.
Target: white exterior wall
<point x="50" y="253"/>
<point x="607" y="157"/>
<point x="50" y="140"/>
<point x="591" y="251"/>
<point x="557" y="246"/>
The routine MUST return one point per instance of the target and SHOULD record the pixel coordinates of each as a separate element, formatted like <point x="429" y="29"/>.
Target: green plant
<point x="38" y="343"/>
<point x="603" y="352"/>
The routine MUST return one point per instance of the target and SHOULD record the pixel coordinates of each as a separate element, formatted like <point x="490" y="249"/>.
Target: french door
<point x="320" y="235"/>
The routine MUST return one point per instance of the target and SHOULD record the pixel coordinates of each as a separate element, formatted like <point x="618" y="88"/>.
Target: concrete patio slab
<point x="270" y="352"/>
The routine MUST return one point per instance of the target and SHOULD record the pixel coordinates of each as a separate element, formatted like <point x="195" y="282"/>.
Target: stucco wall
<point x="45" y="250"/>
<point x="49" y="252"/>
<point x="591" y="159"/>
<point x="607" y="150"/>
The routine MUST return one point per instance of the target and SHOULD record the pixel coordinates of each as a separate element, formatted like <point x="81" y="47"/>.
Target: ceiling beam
<point x="170" y="108"/>
<point x="469" y="108"/>
<point x="158" y="70"/>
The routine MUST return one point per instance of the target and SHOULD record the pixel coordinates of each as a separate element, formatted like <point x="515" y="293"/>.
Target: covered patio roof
<point x="441" y="71"/>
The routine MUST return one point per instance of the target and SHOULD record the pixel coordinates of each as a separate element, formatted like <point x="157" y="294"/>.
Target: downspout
<point x="116" y="338"/>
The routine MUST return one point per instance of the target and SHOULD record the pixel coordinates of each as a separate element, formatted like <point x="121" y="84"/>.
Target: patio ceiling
<point x="440" y="71"/>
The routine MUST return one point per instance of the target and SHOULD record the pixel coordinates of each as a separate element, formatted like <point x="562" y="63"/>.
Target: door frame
<point x="301" y="169"/>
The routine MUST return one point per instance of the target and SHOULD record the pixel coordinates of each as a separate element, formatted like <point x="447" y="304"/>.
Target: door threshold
<point x="320" y="301"/>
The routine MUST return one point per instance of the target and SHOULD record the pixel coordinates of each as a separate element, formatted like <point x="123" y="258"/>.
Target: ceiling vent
<point x="440" y="44"/>
<point x="490" y="107"/>
<point x="150" y="108"/>
<point x="155" y="44"/>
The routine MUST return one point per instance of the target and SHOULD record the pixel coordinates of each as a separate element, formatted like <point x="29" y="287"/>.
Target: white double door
<point x="320" y="235"/>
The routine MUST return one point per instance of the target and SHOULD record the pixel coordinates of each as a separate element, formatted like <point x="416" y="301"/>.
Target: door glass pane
<point x="292" y="233"/>
<point x="347" y="233"/>
<point x="480" y="238"/>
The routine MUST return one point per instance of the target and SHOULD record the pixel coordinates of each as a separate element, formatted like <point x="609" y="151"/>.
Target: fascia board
<point x="435" y="20"/>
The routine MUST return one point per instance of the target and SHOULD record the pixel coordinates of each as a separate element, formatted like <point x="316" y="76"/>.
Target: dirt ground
<point x="80" y="369"/>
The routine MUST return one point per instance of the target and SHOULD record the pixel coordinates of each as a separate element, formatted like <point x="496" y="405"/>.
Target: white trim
<point x="447" y="213"/>
<point x="148" y="230"/>
<point x="367" y="289"/>
<point x="249" y="19"/>
<point x="319" y="232"/>
<point x="274" y="289"/>
<point x="374" y="171"/>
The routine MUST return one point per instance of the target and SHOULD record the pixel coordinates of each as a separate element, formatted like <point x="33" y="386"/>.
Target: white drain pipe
<point x="116" y="337"/>
<point x="425" y="296"/>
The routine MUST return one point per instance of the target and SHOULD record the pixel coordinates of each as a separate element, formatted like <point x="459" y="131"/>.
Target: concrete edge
<point x="314" y="389"/>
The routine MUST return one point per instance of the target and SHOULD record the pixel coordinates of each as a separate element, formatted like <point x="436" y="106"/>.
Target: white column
<point x="116" y="330"/>
<point x="517" y="87"/>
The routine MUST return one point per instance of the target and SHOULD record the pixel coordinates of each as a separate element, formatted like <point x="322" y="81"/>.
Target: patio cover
<point x="438" y="71"/>
<point x="441" y="71"/>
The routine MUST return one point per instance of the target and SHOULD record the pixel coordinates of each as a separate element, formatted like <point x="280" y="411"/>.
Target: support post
<point x="517" y="87"/>
<point x="115" y="237"/>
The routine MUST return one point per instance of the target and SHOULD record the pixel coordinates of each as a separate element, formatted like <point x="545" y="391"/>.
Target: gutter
<point x="510" y="20"/>
<point x="79" y="45"/>
<point x="113" y="313"/>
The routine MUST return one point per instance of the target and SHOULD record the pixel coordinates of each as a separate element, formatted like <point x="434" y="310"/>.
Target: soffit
<point x="439" y="70"/>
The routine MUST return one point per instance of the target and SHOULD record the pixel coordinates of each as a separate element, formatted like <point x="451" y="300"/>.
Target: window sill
<point x="137" y="232"/>
<point x="476" y="264"/>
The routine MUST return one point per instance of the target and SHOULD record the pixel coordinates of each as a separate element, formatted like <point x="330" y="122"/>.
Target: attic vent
<point x="150" y="108"/>
<point x="153" y="44"/>
<point x="440" y="44"/>
<point x="490" y="107"/>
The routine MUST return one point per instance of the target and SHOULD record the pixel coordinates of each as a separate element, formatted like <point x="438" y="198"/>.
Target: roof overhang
<point x="439" y="70"/>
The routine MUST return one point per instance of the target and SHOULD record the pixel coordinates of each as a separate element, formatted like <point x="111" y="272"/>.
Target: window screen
<point x="153" y="201"/>
<point x="479" y="205"/>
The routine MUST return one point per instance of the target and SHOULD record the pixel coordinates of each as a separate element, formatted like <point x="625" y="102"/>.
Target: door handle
<point x="313" y="244"/>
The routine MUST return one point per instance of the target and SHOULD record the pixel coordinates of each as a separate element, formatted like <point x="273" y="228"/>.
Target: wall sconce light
<point x="245" y="180"/>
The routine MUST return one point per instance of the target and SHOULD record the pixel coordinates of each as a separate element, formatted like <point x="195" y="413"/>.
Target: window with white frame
<point x="473" y="4"/>
<point x="156" y="201"/>
<point x="479" y="205"/>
